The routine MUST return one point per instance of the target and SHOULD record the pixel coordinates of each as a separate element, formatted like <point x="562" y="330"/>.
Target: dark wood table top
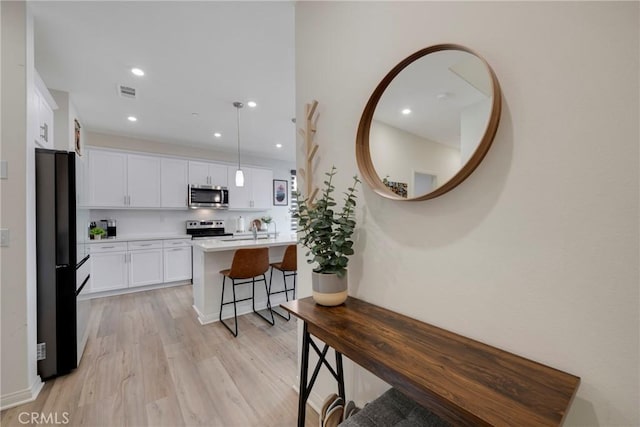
<point x="462" y="380"/>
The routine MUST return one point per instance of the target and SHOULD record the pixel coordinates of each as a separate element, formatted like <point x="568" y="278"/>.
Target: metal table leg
<point x="305" y="389"/>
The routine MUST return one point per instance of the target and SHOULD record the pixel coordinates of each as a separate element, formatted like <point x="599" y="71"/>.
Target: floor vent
<point x="41" y="351"/>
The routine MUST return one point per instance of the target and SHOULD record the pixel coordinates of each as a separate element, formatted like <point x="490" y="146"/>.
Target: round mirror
<point x="429" y="123"/>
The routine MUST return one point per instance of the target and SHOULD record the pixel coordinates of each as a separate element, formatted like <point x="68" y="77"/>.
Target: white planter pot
<point x="329" y="289"/>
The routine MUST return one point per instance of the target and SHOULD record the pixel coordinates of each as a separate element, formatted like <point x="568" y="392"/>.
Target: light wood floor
<point x="148" y="362"/>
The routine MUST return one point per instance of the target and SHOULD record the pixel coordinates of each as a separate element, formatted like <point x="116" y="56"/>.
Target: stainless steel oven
<point x="208" y="196"/>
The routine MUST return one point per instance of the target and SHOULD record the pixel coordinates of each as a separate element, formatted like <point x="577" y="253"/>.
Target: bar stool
<point x="247" y="264"/>
<point x="289" y="267"/>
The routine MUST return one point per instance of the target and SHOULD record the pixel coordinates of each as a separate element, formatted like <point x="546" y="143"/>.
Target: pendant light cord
<point x="238" y="117"/>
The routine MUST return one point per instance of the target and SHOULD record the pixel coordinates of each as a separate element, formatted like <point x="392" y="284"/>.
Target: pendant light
<point x="239" y="173"/>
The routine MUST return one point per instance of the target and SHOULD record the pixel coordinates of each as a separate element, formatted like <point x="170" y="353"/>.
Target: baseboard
<point x="241" y="309"/>
<point x="21" y="397"/>
<point x="124" y="291"/>
<point x="314" y="400"/>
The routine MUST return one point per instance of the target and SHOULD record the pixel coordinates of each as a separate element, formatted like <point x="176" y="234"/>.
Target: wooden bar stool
<point x="247" y="264"/>
<point x="289" y="267"/>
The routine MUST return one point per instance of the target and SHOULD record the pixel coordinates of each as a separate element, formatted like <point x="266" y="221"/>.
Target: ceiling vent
<point x="127" y="91"/>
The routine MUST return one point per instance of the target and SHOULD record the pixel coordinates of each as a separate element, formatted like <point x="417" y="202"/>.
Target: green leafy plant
<point x="266" y="219"/>
<point x="97" y="231"/>
<point x="327" y="232"/>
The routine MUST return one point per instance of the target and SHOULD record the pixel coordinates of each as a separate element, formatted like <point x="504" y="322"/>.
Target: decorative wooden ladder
<point x="310" y="148"/>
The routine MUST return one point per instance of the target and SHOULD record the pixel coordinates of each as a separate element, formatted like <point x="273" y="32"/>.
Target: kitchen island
<point x="211" y="256"/>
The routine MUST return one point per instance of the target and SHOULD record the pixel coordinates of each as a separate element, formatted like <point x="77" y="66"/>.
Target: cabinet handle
<point x="125" y="200"/>
<point x="175" y="249"/>
<point x="146" y="244"/>
<point x="107" y="247"/>
<point x="46" y="132"/>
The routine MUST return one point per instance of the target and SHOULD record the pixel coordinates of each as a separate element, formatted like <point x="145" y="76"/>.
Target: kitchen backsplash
<point x="141" y="222"/>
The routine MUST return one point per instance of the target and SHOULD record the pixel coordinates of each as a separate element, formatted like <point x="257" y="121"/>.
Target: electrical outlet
<point x="4" y="169"/>
<point x="4" y="237"/>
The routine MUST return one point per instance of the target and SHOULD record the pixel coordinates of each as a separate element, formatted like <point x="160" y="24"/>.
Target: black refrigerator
<point x="57" y="261"/>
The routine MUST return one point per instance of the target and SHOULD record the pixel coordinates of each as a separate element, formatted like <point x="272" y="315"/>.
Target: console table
<point x="459" y="379"/>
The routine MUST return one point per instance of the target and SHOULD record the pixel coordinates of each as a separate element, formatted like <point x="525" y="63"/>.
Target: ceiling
<point x="198" y="57"/>
<point x="436" y="88"/>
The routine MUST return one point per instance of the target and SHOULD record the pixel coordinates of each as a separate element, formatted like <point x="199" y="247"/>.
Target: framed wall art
<point x="77" y="137"/>
<point x="280" y="192"/>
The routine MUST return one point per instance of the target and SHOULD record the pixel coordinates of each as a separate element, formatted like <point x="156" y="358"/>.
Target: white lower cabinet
<point x="177" y="264"/>
<point x="109" y="269"/>
<point x="145" y="262"/>
<point x="124" y="265"/>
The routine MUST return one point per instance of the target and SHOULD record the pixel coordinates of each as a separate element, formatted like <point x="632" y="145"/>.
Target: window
<point x="294" y="200"/>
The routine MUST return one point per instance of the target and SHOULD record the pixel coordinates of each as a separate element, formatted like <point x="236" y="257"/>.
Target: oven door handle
<point x="82" y="286"/>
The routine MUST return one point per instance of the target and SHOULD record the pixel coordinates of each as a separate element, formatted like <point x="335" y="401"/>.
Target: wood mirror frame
<point x="363" y="154"/>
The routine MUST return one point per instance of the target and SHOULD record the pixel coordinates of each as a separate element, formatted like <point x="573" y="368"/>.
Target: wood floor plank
<point x="149" y="362"/>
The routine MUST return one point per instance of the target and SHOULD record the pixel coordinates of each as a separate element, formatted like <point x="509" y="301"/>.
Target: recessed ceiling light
<point x="217" y="134"/>
<point x="278" y="145"/>
<point x="195" y="114"/>
<point x="406" y="111"/>
<point x="443" y="95"/>
<point x="132" y="119"/>
<point x="137" y="71"/>
<point x="252" y="104"/>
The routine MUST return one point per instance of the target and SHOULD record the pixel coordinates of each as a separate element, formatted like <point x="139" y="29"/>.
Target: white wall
<point x="64" y="126"/>
<point x="473" y="124"/>
<point x="19" y="381"/>
<point x="399" y="154"/>
<point x="537" y="251"/>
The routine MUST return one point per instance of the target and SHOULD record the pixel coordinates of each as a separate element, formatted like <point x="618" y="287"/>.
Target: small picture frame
<point x="77" y="137"/>
<point x="280" y="192"/>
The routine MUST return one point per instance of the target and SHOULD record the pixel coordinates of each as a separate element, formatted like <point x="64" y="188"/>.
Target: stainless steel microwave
<point x="208" y="196"/>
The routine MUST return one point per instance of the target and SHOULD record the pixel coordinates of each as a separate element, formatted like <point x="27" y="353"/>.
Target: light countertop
<point x="138" y="237"/>
<point x="217" y="245"/>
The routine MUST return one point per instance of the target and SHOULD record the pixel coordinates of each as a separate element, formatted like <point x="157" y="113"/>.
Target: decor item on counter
<point x="266" y="220"/>
<point x="280" y="191"/>
<point x="97" y="233"/>
<point x="256" y="225"/>
<point x="310" y="148"/>
<point x="77" y="137"/>
<point x="239" y="173"/>
<point x="327" y="232"/>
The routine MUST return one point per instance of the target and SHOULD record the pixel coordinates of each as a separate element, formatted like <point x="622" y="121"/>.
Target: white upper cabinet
<point x="107" y="178"/>
<point x="201" y="173"/>
<point x="143" y="181"/>
<point x="123" y="180"/>
<point x="218" y="174"/>
<point x="198" y="173"/>
<point x="262" y="188"/>
<point x="174" y="183"/>
<point x="118" y="179"/>
<point x="256" y="193"/>
<point x="43" y="109"/>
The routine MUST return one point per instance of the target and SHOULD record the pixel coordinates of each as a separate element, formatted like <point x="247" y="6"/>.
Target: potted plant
<point x="97" y="233"/>
<point x="326" y="232"/>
